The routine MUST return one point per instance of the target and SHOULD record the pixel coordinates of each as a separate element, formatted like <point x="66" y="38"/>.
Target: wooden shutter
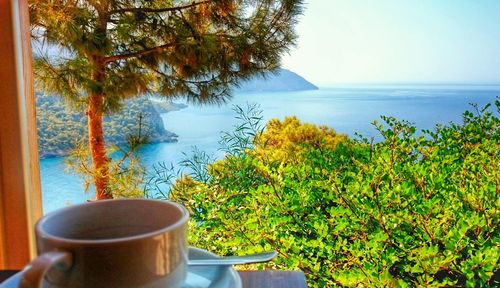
<point x="20" y="197"/>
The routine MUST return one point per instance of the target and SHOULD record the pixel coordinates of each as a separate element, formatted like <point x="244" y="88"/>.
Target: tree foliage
<point x="174" y="48"/>
<point x="113" y="50"/>
<point x="409" y="211"/>
<point x="288" y="140"/>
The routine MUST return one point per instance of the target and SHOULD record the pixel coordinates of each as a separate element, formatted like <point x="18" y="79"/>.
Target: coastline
<point x="64" y="153"/>
<point x="61" y="128"/>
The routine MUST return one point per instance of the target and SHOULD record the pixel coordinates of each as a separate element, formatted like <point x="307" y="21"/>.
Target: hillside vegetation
<point x="61" y="128"/>
<point x="412" y="210"/>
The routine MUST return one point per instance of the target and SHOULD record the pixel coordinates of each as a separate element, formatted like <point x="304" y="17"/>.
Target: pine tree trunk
<point x="100" y="161"/>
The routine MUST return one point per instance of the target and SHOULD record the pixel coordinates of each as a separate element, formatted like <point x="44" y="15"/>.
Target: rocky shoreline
<point x="62" y="153"/>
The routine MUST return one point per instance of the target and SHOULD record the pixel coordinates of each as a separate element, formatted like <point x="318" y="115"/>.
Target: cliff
<point x="60" y="128"/>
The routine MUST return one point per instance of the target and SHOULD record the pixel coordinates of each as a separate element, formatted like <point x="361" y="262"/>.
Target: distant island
<point x="283" y="80"/>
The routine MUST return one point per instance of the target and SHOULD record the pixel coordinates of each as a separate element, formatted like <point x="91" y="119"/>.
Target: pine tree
<point x="111" y="50"/>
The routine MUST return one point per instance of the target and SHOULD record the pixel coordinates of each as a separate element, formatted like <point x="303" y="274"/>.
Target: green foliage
<point x="174" y="48"/>
<point x="408" y="211"/>
<point x="61" y="129"/>
<point x="287" y="141"/>
<point x="126" y="172"/>
<point x="242" y="137"/>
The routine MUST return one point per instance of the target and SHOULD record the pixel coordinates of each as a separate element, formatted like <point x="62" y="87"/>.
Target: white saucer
<point x="198" y="276"/>
<point x="210" y="276"/>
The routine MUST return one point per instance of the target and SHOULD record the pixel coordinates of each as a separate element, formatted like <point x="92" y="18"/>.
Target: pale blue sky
<point x="398" y="41"/>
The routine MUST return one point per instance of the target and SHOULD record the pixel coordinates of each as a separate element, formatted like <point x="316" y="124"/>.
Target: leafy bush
<point x="288" y="140"/>
<point x="410" y="210"/>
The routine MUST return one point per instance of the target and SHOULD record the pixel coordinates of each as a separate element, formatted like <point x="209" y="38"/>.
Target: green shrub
<point x="408" y="211"/>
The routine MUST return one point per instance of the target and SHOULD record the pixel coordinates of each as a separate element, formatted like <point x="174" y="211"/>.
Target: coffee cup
<point x="111" y="243"/>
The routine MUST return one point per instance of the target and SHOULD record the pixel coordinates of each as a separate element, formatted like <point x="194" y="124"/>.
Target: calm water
<point x="346" y="109"/>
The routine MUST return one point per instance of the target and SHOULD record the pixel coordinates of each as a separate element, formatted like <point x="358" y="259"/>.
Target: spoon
<point x="235" y="260"/>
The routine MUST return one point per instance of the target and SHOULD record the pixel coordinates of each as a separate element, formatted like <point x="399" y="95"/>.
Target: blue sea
<point x="347" y="109"/>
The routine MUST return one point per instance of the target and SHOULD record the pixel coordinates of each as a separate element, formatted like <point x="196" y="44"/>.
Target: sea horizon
<point x="405" y="84"/>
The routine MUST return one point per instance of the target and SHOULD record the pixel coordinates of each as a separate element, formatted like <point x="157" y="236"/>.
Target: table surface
<point x="250" y="279"/>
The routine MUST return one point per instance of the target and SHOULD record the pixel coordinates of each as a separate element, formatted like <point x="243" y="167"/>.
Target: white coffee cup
<point x="111" y="243"/>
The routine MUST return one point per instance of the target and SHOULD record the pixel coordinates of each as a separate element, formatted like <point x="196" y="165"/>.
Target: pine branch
<point x="156" y="49"/>
<point x="190" y="27"/>
<point x="214" y="78"/>
<point x="153" y="10"/>
<point x="55" y="76"/>
<point x="193" y="87"/>
<point x="253" y="23"/>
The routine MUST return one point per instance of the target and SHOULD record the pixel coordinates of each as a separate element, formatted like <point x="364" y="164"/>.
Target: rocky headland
<point x="60" y="127"/>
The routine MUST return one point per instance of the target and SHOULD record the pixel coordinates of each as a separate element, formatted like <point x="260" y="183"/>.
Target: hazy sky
<point x="398" y="41"/>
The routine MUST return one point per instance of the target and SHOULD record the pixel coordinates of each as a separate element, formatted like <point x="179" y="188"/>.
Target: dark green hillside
<point x="59" y="128"/>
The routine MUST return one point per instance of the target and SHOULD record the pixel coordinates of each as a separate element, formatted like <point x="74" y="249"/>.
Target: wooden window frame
<point x="20" y="196"/>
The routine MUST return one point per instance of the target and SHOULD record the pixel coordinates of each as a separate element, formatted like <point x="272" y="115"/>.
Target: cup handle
<point x="34" y="273"/>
